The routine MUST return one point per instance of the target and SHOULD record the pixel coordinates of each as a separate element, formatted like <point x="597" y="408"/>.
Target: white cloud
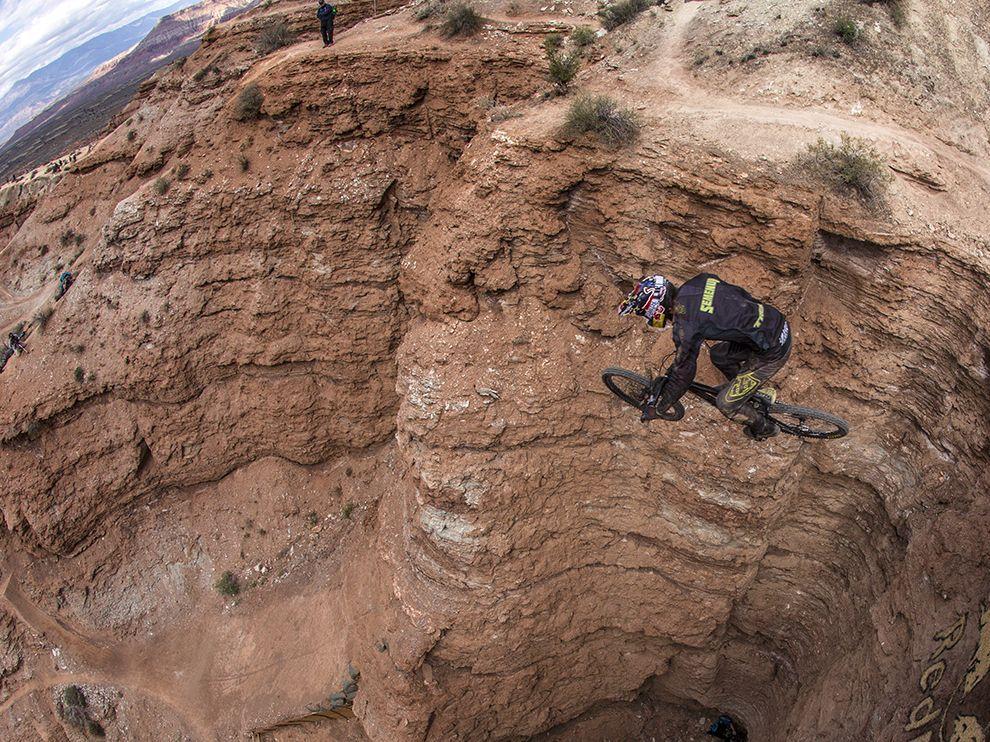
<point x="34" y="33"/>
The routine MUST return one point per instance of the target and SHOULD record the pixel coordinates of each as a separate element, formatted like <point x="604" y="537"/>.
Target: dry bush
<point x="161" y="186"/>
<point x="852" y="166"/>
<point x="247" y="107"/>
<point x="274" y="37"/>
<point x="563" y="68"/>
<point x="601" y="116"/>
<point x="583" y="36"/>
<point x="461" y="20"/>
<point x="622" y="12"/>
<point x="846" y="29"/>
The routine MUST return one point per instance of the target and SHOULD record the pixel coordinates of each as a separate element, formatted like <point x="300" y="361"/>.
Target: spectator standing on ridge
<point x="326" y="13"/>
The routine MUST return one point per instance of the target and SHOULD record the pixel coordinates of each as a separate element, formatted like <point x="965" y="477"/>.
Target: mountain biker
<point x="15" y="342"/>
<point x="754" y="342"/>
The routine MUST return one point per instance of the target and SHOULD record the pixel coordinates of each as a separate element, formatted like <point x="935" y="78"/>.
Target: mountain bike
<point x="804" y="422"/>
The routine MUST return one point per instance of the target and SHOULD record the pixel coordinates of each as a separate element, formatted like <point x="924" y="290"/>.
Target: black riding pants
<point x="746" y="371"/>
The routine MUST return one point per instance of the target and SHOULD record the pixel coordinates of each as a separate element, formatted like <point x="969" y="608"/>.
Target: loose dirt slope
<point x="349" y="351"/>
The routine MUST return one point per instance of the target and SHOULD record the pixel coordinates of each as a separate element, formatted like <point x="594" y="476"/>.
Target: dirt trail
<point x="138" y="668"/>
<point x="669" y="72"/>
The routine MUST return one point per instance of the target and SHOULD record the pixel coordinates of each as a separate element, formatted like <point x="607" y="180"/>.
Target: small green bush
<point x="274" y="37"/>
<point x="161" y="186"/>
<point x="552" y="43"/>
<point x="846" y="29"/>
<point x="563" y="68"/>
<point x="601" y="116"/>
<point x="73" y="696"/>
<point x="461" y="20"/>
<point x="79" y="374"/>
<point x="131" y="135"/>
<point x="228" y="584"/>
<point x="622" y="12"/>
<point x="852" y="166"/>
<point x="181" y="171"/>
<point x="145" y="317"/>
<point x="347" y="510"/>
<point x="583" y="36"/>
<point x="243" y="163"/>
<point x="247" y="107"/>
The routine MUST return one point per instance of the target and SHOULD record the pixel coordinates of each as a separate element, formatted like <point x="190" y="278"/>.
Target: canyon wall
<point x="388" y="301"/>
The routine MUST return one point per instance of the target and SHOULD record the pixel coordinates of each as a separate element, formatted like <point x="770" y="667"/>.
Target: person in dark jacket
<point x="326" y="13"/>
<point x="754" y="341"/>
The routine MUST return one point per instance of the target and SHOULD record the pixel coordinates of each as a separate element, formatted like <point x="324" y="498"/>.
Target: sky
<point x="36" y="32"/>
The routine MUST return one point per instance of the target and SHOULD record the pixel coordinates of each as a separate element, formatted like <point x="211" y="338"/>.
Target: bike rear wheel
<point x="634" y="390"/>
<point x="807" y="423"/>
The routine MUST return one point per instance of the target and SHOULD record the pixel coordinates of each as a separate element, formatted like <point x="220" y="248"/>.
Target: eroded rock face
<point x="375" y="272"/>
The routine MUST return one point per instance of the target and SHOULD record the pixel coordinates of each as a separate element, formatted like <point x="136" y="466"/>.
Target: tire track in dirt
<point x="669" y="73"/>
<point x="137" y="668"/>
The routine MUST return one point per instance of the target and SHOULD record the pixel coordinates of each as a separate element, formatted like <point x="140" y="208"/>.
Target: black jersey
<point x="708" y="308"/>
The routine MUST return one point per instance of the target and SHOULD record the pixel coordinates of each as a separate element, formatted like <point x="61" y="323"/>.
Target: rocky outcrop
<point x="378" y="286"/>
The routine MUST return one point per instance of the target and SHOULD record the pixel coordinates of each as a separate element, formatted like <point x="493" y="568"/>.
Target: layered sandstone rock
<point x="354" y="354"/>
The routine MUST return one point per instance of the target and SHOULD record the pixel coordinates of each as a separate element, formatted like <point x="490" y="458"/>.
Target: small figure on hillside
<point x="16" y="342"/>
<point x="64" y="281"/>
<point x="724" y="728"/>
<point x="326" y="13"/>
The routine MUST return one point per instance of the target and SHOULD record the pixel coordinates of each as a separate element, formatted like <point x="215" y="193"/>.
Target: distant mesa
<point x="79" y="116"/>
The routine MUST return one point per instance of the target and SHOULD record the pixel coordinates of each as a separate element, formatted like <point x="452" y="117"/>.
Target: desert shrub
<point x="312" y="518"/>
<point x="503" y="113"/>
<point x="274" y="37"/>
<point x="846" y="29"/>
<point x="563" y="68"/>
<point x="79" y="374"/>
<point x="161" y="186"/>
<point x="73" y="696"/>
<point x="429" y="10"/>
<point x="131" y="135"/>
<point x="247" y="107"/>
<point x="552" y="43"/>
<point x="181" y="171"/>
<point x="42" y="316"/>
<point x="347" y="510"/>
<point x="145" y="317"/>
<point x="243" y="163"/>
<point x="898" y="10"/>
<point x="66" y="238"/>
<point x="583" y="36"/>
<point x="601" y="116"/>
<point x="852" y="166"/>
<point x="228" y="584"/>
<point x="617" y="14"/>
<point x="513" y="8"/>
<point x="211" y="35"/>
<point x="461" y="20"/>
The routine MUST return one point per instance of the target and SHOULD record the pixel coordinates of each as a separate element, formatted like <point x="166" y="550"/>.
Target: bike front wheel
<point x="634" y="390"/>
<point x="806" y="422"/>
